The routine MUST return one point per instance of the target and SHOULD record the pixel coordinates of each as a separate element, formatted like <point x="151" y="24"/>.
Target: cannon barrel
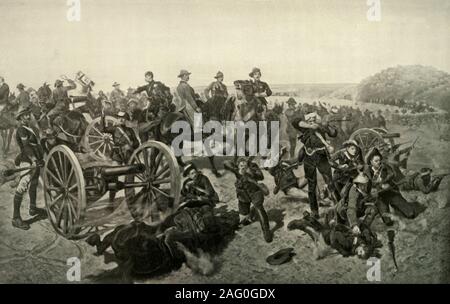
<point x="122" y="170"/>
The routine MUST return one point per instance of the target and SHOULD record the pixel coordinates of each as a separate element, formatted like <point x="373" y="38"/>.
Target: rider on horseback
<point x="61" y="98"/>
<point x="261" y="90"/>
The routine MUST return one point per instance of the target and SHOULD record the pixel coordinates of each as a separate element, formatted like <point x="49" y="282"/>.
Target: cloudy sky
<point x="292" y="41"/>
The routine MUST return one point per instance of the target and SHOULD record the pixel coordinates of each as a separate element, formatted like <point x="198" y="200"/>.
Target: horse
<point x="8" y="123"/>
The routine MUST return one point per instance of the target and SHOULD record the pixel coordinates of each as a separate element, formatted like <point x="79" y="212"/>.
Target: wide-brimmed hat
<point x="22" y="111"/>
<point x="291" y="100"/>
<point x="188" y="169"/>
<point x="122" y="114"/>
<point x="132" y="100"/>
<point x="254" y="70"/>
<point x="20" y="86"/>
<point x="311" y="115"/>
<point x="115" y="84"/>
<point x="280" y="257"/>
<point x="371" y="154"/>
<point x="183" y="72"/>
<point x="425" y="171"/>
<point x="350" y="142"/>
<point x="218" y="75"/>
<point x="58" y="82"/>
<point x="334" y="110"/>
<point x="361" y="178"/>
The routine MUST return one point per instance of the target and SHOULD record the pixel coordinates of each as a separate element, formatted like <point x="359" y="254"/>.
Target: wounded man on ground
<point x="328" y="235"/>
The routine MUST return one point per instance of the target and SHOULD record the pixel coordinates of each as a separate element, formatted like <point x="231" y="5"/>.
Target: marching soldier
<point x="261" y="91"/>
<point x="61" y="98"/>
<point x="250" y="193"/>
<point x="315" y="154"/>
<point x="158" y="93"/>
<point x="216" y="95"/>
<point x="188" y="98"/>
<point x="31" y="155"/>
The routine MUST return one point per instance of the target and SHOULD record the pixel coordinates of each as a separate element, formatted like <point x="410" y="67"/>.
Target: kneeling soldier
<point x="250" y="192"/>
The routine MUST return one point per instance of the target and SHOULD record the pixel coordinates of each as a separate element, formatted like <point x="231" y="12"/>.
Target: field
<point x="39" y="255"/>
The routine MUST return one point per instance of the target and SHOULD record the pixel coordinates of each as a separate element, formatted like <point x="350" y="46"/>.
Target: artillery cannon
<point x="75" y="184"/>
<point x="368" y="138"/>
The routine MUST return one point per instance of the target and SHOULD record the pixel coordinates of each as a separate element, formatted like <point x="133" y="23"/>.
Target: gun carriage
<point x="75" y="185"/>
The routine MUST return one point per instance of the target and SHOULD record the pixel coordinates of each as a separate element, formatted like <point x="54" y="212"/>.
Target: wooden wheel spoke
<point x="96" y="142"/>
<point x="50" y="173"/>
<point x="97" y="130"/>
<point x="69" y="178"/>
<point x="57" y="171"/>
<point x="146" y="163"/>
<point x="155" y="162"/>
<point x="61" y="165"/>
<point x="98" y="148"/>
<point x="60" y="213"/>
<point x="55" y="200"/>
<point x="164" y="169"/>
<point x="161" y="181"/>
<point x="161" y="192"/>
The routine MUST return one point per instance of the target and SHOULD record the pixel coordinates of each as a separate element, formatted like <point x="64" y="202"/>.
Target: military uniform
<point x="284" y="176"/>
<point x="31" y="153"/>
<point x="249" y="193"/>
<point x="341" y="175"/>
<point x="199" y="190"/>
<point x="216" y="94"/>
<point x="158" y="93"/>
<point x="125" y="142"/>
<point x="315" y="157"/>
<point x="23" y="99"/>
<point x="416" y="182"/>
<point x="61" y="99"/>
<point x="117" y="97"/>
<point x="188" y="100"/>
<point x="4" y="94"/>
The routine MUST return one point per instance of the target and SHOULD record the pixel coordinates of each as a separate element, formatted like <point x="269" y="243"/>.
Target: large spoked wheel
<point x="160" y="194"/>
<point x="99" y="143"/>
<point x="384" y="132"/>
<point x="64" y="190"/>
<point x="367" y="139"/>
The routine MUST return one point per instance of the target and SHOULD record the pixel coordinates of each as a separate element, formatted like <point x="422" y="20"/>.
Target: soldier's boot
<point x="17" y="220"/>
<point x="33" y="209"/>
<point x="264" y="221"/>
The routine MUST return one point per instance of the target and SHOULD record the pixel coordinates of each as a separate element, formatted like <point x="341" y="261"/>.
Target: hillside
<point x="413" y="83"/>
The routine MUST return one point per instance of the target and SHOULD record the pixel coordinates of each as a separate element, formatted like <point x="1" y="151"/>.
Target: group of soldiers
<point x="359" y="187"/>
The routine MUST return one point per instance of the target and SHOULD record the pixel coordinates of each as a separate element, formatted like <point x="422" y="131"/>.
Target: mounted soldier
<point x="158" y="93"/>
<point x="4" y="92"/>
<point x="117" y="96"/>
<point x="61" y="98"/>
<point x="23" y="98"/>
<point x="216" y="95"/>
<point x="32" y="156"/>
<point x="261" y="90"/>
<point x="190" y="102"/>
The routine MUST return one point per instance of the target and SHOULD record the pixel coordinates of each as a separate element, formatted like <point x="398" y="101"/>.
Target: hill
<point x="414" y="83"/>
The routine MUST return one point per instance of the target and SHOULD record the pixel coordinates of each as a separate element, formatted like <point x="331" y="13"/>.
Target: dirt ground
<point x="39" y="255"/>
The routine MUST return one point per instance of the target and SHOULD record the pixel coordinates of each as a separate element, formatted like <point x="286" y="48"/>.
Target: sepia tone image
<point x="224" y="141"/>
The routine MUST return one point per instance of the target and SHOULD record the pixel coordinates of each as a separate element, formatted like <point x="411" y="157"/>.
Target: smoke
<point x="201" y="263"/>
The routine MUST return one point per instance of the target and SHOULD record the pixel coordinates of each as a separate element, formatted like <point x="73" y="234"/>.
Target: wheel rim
<point x="160" y="198"/>
<point x="99" y="143"/>
<point x="367" y="139"/>
<point x="64" y="190"/>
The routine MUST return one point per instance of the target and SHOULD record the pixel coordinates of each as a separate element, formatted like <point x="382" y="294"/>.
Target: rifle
<point x="442" y="175"/>
<point x="11" y="172"/>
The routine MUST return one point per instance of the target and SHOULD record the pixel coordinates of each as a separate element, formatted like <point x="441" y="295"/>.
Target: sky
<point x="292" y="41"/>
